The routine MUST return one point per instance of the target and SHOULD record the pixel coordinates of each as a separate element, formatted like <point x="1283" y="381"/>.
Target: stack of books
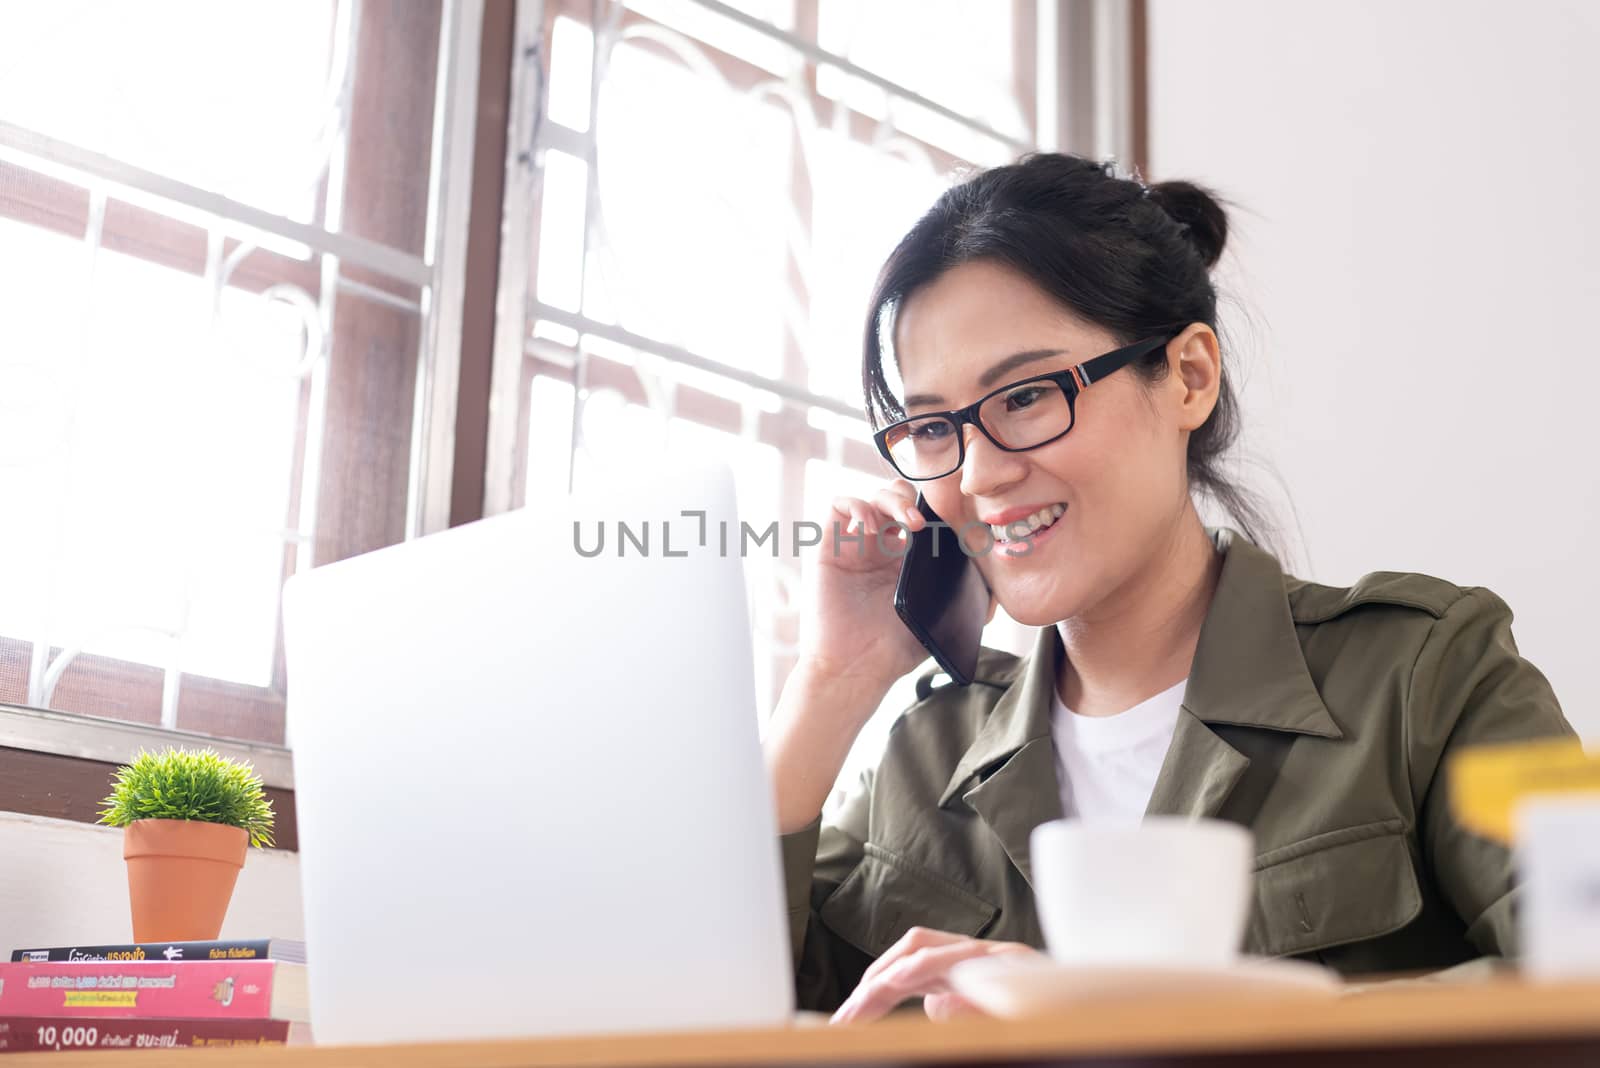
<point x="154" y="996"/>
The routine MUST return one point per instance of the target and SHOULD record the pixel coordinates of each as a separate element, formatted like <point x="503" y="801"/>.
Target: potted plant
<point x="187" y="817"/>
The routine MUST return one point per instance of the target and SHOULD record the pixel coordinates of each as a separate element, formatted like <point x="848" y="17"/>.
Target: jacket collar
<point x="1248" y="671"/>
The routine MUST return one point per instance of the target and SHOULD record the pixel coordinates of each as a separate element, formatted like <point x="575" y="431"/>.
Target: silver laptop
<point x="529" y="785"/>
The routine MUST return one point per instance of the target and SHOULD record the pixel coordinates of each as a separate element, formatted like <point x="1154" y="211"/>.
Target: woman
<point x="1054" y="329"/>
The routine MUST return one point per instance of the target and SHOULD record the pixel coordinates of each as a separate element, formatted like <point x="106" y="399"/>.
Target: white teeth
<point x="1013" y="531"/>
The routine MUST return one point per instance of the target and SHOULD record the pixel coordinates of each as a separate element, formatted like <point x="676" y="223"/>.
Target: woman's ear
<point x="1194" y="359"/>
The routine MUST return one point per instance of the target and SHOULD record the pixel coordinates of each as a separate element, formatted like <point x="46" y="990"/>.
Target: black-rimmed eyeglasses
<point x="1017" y="417"/>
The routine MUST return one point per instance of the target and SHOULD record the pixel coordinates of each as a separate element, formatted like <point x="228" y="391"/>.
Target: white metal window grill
<point x="195" y="273"/>
<point x="703" y="192"/>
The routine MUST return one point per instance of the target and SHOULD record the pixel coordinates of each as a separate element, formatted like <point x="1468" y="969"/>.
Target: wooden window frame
<point x="365" y="471"/>
<point x="234" y="712"/>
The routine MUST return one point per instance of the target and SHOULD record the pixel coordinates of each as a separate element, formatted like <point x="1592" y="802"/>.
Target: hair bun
<point x="1198" y="209"/>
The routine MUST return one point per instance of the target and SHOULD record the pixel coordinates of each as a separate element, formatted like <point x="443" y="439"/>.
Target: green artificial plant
<point x="183" y="784"/>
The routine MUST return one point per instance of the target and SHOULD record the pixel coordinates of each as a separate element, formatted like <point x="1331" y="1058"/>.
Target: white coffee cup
<point x="1558" y="861"/>
<point x="1168" y="892"/>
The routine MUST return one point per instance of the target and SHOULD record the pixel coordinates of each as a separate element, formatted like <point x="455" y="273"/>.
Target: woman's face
<point x="1118" y="480"/>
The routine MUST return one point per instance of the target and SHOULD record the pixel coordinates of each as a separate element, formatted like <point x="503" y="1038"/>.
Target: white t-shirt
<point x="1107" y="765"/>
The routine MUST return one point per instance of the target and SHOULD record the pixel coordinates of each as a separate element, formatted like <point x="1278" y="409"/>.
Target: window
<point x="214" y="266"/>
<point x="714" y="189"/>
<point x="224" y="246"/>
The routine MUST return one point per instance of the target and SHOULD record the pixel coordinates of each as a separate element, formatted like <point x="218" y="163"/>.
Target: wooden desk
<point x="1499" y="1023"/>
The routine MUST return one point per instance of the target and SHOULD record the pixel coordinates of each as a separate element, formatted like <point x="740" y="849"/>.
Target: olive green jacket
<point x="1317" y="716"/>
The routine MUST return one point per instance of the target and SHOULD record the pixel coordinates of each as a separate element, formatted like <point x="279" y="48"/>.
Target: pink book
<point x="52" y="1034"/>
<point x="202" y="989"/>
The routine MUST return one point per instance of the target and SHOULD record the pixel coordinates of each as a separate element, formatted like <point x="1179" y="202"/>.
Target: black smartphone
<point x="942" y="598"/>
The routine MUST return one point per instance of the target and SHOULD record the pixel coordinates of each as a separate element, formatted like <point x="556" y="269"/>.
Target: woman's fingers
<point x="914" y="939"/>
<point x="899" y="500"/>
<point x="947" y="1006"/>
<point x="923" y="971"/>
<point x="855" y="515"/>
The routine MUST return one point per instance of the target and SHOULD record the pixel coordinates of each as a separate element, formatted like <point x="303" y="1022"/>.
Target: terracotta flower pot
<point x="181" y="875"/>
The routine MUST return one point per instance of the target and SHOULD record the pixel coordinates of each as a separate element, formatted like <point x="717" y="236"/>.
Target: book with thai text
<point x="204" y="989"/>
<point x="283" y="949"/>
<point x="32" y="1034"/>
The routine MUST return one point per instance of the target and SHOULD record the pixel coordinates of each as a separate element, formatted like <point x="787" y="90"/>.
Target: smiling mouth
<point x="1028" y="526"/>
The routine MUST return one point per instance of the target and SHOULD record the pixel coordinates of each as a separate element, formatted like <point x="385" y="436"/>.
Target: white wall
<point x="1418" y="265"/>
<point x="64" y="884"/>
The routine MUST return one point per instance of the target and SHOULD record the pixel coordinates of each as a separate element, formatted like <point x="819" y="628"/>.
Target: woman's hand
<point x="919" y="964"/>
<point x="853" y="647"/>
<point x="851" y="628"/>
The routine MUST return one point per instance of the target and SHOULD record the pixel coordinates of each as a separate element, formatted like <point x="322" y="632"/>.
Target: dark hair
<point x="1131" y="259"/>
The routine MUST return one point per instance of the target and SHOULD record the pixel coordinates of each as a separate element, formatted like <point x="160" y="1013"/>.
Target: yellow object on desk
<point x="1488" y="782"/>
